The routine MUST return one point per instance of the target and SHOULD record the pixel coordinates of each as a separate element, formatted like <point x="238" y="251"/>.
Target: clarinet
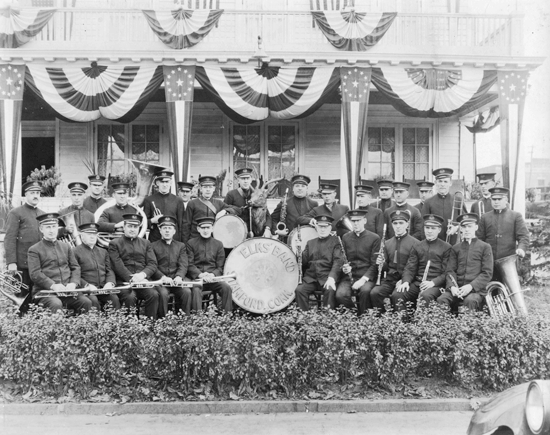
<point x="382" y="247"/>
<point x="426" y="271"/>
<point x="344" y="256"/>
<point x="299" y="254"/>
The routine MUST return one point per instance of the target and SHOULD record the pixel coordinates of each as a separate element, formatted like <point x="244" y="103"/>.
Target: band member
<point x="111" y="220"/>
<point x="400" y="194"/>
<point x="185" y="191"/>
<point x="321" y="263"/>
<point x="385" y="191"/>
<point x="163" y="203"/>
<point x="95" y="200"/>
<point x="419" y="280"/>
<point x="206" y="259"/>
<point x="79" y="214"/>
<point x="330" y="207"/>
<point x="375" y="216"/>
<point x="22" y="231"/>
<point x="95" y="266"/>
<point x="469" y="269"/>
<point x="53" y="266"/>
<point x="298" y="204"/>
<point x="486" y="182"/>
<point x="361" y="248"/>
<point x="425" y="191"/>
<point x="172" y="267"/>
<point x="133" y="261"/>
<point x="394" y="259"/>
<point x="203" y="206"/>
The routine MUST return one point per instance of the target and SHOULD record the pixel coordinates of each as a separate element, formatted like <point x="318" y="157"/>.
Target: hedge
<point x="289" y="352"/>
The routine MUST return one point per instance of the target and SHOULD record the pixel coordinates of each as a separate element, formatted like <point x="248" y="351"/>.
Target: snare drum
<point x="306" y="233"/>
<point x="230" y="230"/>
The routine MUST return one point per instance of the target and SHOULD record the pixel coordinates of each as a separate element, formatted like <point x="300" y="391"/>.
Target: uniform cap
<point x="433" y="219"/>
<point x="48" y="218"/>
<point x="486" y="176"/>
<point x="357" y="214"/>
<point x="362" y="189"/>
<point x="132" y="217"/>
<point x="400" y="215"/>
<point x="443" y="173"/>
<point x="388" y="183"/>
<point x="328" y="188"/>
<point x="167" y="220"/>
<point x="499" y="192"/>
<point x="78" y="187"/>
<point x="90" y="227"/>
<point x="425" y="185"/>
<point x="32" y="185"/>
<point x="207" y="179"/>
<point x="185" y="185"/>
<point x="203" y="221"/>
<point x="96" y="178"/>
<point x="468" y="218"/>
<point x="401" y="185"/>
<point x="300" y="179"/>
<point x="161" y="175"/>
<point x="324" y="219"/>
<point x="244" y="172"/>
<point x="120" y="187"/>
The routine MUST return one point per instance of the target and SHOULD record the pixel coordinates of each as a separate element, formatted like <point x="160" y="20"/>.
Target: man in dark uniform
<point x="163" y="203"/>
<point x="52" y="266"/>
<point x="374" y="216"/>
<point x="298" y="204"/>
<point x="401" y="193"/>
<point x="133" y="261"/>
<point x="206" y="259"/>
<point x="469" y="269"/>
<point x="321" y="264"/>
<point x="361" y="249"/>
<point x="95" y="200"/>
<point x="22" y="231"/>
<point x="425" y="191"/>
<point x="185" y="190"/>
<point x="433" y="250"/>
<point x="95" y="266"/>
<point x="111" y="220"/>
<point x="394" y="259"/>
<point x="75" y="214"/>
<point x="330" y="207"/>
<point x="484" y="205"/>
<point x="203" y="206"/>
<point x="385" y="192"/>
<point x="172" y="267"/>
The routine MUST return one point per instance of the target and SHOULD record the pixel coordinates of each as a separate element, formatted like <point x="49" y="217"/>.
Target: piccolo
<point x="426" y="271"/>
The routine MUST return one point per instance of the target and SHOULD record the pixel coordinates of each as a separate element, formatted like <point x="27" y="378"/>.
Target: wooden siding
<point x="73" y="149"/>
<point x="37" y="128"/>
<point x="448" y="147"/>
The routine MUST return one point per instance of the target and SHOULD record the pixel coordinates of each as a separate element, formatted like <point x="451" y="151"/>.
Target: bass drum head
<point x="267" y="275"/>
<point x="307" y="233"/>
<point x="230" y="230"/>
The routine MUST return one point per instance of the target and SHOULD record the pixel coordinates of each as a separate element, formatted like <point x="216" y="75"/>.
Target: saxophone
<point x="281" y="225"/>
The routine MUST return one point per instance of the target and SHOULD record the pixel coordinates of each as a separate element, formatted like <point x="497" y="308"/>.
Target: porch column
<point x="179" y="90"/>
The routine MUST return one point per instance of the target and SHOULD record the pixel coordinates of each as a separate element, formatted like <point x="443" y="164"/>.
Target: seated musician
<point x="321" y="264"/>
<point x="95" y="266"/>
<point x="469" y="269"/>
<point x="394" y="259"/>
<point x="133" y="261"/>
<point x="111" y="220"/>
<point x="361" y="248"/>
<point x="52" y="266"/>
<point x="172" y="267"/>
<point x="206" y="259"/>
<point x="420" y="280"/>
<point x="375" y="216"/>
<point x="78" y="214"/>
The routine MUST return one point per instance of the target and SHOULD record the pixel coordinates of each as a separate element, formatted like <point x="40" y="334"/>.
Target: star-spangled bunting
<point x="512" y="86"/>
<point x="11" y="82"/>
<point x="355" y="84"/>
<point x="179" y="83"/>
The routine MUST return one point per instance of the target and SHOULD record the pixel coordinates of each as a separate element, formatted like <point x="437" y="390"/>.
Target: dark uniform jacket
<point x="237" y="199"/>
<point x="322" y="259"/>
<point x="95" y="265"/>
<point x="375" y="219"/>
<point x="196" y="208"/>
<point x="337" y="212"/>
<point x="21" y="233"/>
<point x="81" y="216"/>
<point x="112" y="216"/>
<point x="205" y="255"/>
<point x="129" y="256"/>
<point x="361" y="252"/>
<point x="437" y="252"/>
<point x="487" y="205"/>
<point x="396" y="254"/>
<point x="171" y="259"/>
<point x="419" y="207"/>
<point x="503" y="230"/>
<point x="169" y="205"/>
<point x="52" y="263"/>
<point x="295" y="208"/>
<point x="415" y="223"/>
<point x="442" y="206"/>
<point x="92" y="204"/>
<point x="384" y="204"/>
<point x="471" y="263"/>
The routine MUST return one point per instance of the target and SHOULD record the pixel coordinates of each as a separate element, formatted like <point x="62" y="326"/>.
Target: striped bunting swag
<point x="247" y="94"/>
<point x="115" y="92"/>
<point x="353" y="31"/>
<point x="182" y="28"/>
<point x="17" y="27"/>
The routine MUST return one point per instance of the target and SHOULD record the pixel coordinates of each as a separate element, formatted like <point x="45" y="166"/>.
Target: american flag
<point x="11" y="82"/>
<point x="179" y="82"/>
<point x="355" y="84"/>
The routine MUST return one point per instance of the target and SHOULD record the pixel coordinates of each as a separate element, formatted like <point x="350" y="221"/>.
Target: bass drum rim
<point x="104" y="242"/>
<point x="233" y="217"/>
<point x="290" y="238"/>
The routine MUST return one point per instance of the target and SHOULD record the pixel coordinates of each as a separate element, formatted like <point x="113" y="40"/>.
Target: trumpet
<point x="12" y="285"/>
<point x="156" y="211"/>
<point x="458" y="204"/>
<point x="481" y="206"/>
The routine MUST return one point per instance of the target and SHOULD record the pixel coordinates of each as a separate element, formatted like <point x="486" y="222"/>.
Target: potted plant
<point x="50" y="178"/>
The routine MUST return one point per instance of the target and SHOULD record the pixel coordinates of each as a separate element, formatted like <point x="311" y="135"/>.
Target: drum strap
<point x="207" y="203"/>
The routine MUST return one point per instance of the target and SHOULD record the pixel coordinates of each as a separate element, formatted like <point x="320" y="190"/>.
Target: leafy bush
<point x="50" y="178"/>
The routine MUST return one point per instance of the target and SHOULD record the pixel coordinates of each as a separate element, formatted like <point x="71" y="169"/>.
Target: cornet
<point x="12" y="285"/>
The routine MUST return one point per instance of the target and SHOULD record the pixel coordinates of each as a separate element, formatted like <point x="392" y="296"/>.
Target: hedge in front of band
<point x="211" y="356"/>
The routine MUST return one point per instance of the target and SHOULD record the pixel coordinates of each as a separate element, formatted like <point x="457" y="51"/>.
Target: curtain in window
<point x="19" y="26"/>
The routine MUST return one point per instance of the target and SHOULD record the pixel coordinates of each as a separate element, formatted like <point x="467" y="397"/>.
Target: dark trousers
<point x="344" y="294"/>
<point x="222" y="288"/>
<point x="182" y="299"/>
<point x="80" y="304"/>
<point x="399" y="300"/>
<point x="383" y="291"/>
<point x="103" y="301"/>
<point x="149" y="296"/>
<point x="474" y="301"/>
<point x="428" y="296"/>
<point x="304" y="290"/>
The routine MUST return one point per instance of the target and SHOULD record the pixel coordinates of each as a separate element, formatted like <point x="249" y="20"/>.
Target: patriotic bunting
<point x="485" y="121"/>
<point x="182" y="28"/>
<point x="115" y="92"/>
<point x="431" y="93"/>
<point x="19" y="26"/>
<point x="353" y="31"/>
<point x="247" y="95"/>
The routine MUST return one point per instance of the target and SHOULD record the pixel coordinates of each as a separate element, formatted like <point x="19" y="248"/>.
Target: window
<point x="416" y="151"/>
<point x="381" y="153"/>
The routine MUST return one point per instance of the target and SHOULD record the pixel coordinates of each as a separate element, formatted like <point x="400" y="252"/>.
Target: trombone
<point x="458" y="204"/>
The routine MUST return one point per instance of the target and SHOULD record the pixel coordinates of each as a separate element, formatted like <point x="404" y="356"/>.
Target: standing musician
<point x="401" y="193"/>
<point x="172" y="267"/>
<point x="469" y="269"/>
<point x="425" y="191"/>
<point x="79" y="213"/>
<point x="375" y="216"/>
<point x="95" y="266"/>
<point x="297" y="205"/>
<point x="385" y="190"/>
<point x="53" y="266"/>
<point x="330" y="207"/>
<point x="321" y="264"/>
<point x="393" y="260"/>
<point x="185" y="190"/>
<point x="487" y="182"/>
<point x="95" y="199"/>
<point x="163" y="203"/>
<point x="133" y="261"/>
<point x="361" y="249"/>
<point x="203" y="206"/>
<point x="425" y="272"/>
<point x="206" y="259"/>
<point x="111" y="220"/>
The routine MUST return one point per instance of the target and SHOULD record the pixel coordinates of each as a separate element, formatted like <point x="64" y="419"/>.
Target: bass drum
<point x="266" y="275"/>
<point x="230" y="230"/>
<point x="306" y="233"/>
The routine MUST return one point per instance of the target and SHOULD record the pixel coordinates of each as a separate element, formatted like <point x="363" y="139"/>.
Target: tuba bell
<point x="73" y="238"/>
<point x="12" y="287"/>
<point x="506" y="297"/>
